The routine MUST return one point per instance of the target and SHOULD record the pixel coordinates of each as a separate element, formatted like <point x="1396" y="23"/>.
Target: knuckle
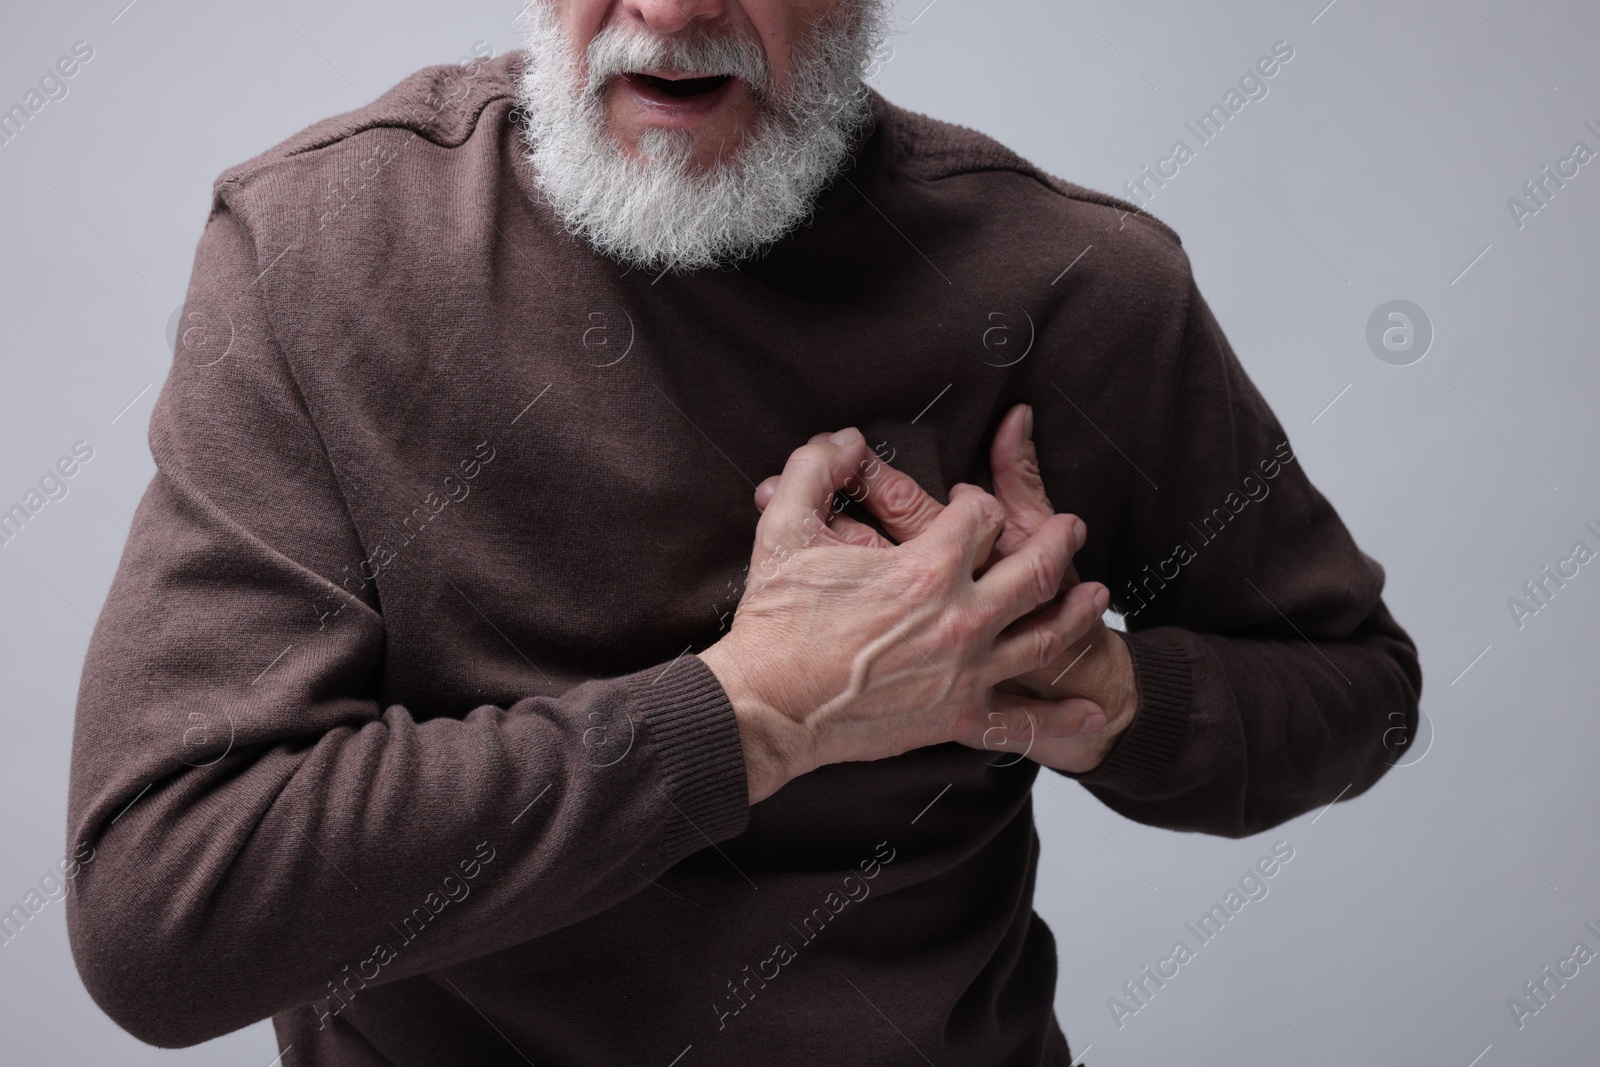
<point x="935" y="571"/>
<point x="955" y="631"/>
<point x="990" y="511"/>
<point x="858" y="535"/>
<point x="899" y="496"/>
<point x="1050" y="644"/>
<point x="1044" y="578"/>
<point x="921" y="579"/>
<point x="810" y="526"/>
<point x="811" y="454"/>
<point x="1060" y="528"/>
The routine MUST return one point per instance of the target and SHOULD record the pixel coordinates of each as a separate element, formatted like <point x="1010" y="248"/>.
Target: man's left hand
<point x="1092" y="679"/>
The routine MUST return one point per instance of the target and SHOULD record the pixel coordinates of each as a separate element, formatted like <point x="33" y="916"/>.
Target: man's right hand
<point x="840" y="652"/>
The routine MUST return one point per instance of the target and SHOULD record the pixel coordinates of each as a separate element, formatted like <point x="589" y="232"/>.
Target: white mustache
<point x="616" y="50"/>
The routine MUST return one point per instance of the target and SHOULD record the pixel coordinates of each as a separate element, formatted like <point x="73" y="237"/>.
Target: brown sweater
<point x="391" y="728"/>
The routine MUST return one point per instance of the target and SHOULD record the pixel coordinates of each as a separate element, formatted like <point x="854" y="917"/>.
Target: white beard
<point x="657" y="210"/>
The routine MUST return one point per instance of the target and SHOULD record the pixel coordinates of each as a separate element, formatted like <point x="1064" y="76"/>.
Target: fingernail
<point x="1027" y="422"/>
<point x="1102" y="599"/>
<point x="1094" y="722"/>
<point x="846" y="436"/>
<point x="1080" y="531"/>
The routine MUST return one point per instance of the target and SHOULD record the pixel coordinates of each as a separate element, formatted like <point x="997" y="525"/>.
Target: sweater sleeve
<point x="260" y="827"/>
<point x="1271" y="677"/>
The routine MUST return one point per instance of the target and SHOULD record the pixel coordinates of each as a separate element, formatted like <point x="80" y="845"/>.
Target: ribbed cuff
<point x="1141" y="756"/>
<point x="700" y="753"/>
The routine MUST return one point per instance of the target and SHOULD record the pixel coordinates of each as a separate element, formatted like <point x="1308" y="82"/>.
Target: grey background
<point x="1377" y="168"/>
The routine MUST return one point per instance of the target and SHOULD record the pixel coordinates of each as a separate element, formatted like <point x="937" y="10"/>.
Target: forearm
<point x="1238" y="734"/>
<point x="1269" y="671"/>
<point x="285" y="817"/>
<point x="383" y="847"/>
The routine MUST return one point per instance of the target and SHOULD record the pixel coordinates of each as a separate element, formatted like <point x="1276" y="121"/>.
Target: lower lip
<point x="674" y="110"/>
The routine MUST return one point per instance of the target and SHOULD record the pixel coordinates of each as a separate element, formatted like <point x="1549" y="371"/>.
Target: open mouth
<point x="680" y="88"/>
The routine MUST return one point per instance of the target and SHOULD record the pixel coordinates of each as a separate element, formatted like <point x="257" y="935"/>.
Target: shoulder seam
<point x="1066" y="190"/>
<point x="410" y="111"/>
<point x="469" y="125"/>
<point x="976" y="152"/>
<point x="1086" y="195"/>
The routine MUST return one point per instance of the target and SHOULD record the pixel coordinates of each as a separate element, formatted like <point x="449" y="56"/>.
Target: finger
<point x="1022" y="720"/>
<point x="764" y="492"/>
<point x="1033" y="575"/>
<point x="956" y="491"/>
<point x="769" y="486"/>
<point x="1013" y="722"/>
<point x="965" y="529"/>
<point x="1032" y="644"/>
<point x="857" y="533"/>
<point x="1014" y="465"/>
<point x="1014" y="462"/>
<point x="849" y="530"/>
<point x="901" y="506"/>
<point x="802" y="503"/>
<point x="1012" y="539"/>
<point x="852" y="490"/>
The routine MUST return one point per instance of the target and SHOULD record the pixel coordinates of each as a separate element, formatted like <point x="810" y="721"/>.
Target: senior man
<point x="454" y="701"/>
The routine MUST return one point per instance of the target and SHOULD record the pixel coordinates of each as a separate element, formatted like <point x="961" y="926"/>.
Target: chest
<point x="567" y="484"/>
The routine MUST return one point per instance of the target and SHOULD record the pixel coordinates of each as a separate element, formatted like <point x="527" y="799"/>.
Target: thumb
<point x="1018" y="486"/>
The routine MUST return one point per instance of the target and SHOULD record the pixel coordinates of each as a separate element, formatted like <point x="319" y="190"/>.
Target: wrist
<point x="1119" y="701"/>
<point x="1121" y="704"/>
<point x="776" y="748"/>
<point x="1124" y="703"/>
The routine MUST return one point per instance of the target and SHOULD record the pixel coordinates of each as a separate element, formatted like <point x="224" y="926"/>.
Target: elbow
<point x="140" y="974"/>
<point x="1404" y="732"/>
